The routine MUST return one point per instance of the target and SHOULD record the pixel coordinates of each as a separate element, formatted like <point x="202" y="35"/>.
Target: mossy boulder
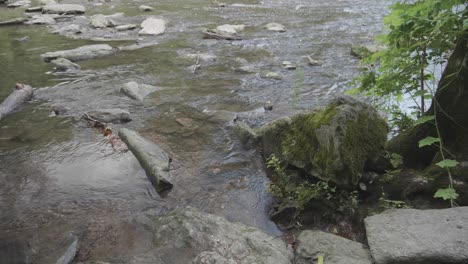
<point x="331" y="144"/>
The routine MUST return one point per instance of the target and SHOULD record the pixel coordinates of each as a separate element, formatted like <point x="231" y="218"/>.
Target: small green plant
<point x="300" y="194"/>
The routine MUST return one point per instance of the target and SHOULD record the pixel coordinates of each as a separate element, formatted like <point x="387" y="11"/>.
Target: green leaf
<point x="446" y="194"/>
<point x="428" y="141"/>
<point x="423" y="120"/>
<point x="320" y="259"/>
<point x="447" y="163"/>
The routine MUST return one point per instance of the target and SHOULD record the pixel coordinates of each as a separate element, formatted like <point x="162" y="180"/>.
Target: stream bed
<point x="59" y="176"/>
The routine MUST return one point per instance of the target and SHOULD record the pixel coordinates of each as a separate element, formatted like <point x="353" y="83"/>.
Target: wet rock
<point x="47" y="2"/>
<point x="70" y="253"/>
<point x="125" y="27"/>
<point x="334" y="249"/>
<point x="419" y="236"/>
<point x="288" y="65"/>
<point x="101" y="21"/>
<point x="42" y="20"/>
<point x="137" y="46"/>
<point x="313" y="62"/>
<point x="68" y="29"/>
<point x="64" y="65"/>
<point x="152" y="26"/>
<point x="16" y="21"/>
<point x="81" y="53"/>
<point x="137" y="91"/>
<point x="23" y="39"/>
<point x="151" y="157"/>
<point x="206" y="238"/>
<point x="63" y="9"/>
<point x="246" y="69"/>
<point x="34" y="9"/>
<point x="230" y="29"/>
<point x="145" y="8"/>
<point x="275" y="27"/>
<point x="21" y="94"/>
<point x="20" y="3"/>
<point x="247" y="136"/>
<point x="268" y="106"/>
<point x="200" y="56"/>
<point x="114" y="115"/>
<point x="271" y="75"/>
<point x="333" y="143"/>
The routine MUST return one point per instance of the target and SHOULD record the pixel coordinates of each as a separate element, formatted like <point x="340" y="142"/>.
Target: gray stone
<point x="271" y="75"/>
<point x="34" y="9"/>
<point x="101" y="21"/>
<point x="145" y="8"/>
<point x="137" y="46"/>
<point x="288" y="65"/>
<point x="63" y="9"/>
<point x="19" y="3"/>
<point x="205" y="238"/>
<point x="335" y="249"/>
<point x="21" y="94"/>
<point x="16" y="21"/>
<point x="125" y="27"/>
<point x="313" y="62"/>
<point x="114" y="115"/>
<point x="230" y="29"/>
<point x="47" y="2"/>
<point x="137" y="91"/>
<point x="419" y="236"/>
<point x="151" y="157"/>
<point x="42" y="20"/>
<point x="68" y="29"/>
<point x="201" y="56"/>
<point x="152" y="26"/>
<point x="64" y="65"/>
<point x="275" y="27"/>
<point x="81" y="53"/>
<point x="245" y="69"/>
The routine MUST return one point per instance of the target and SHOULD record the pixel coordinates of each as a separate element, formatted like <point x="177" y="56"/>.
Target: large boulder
<point x="152" y="26"/>
<point x="334" y="249"/>
<point x="137" y="91"/>
<point x="331" y="144"/>
<point x="81" y="53"/>
<point x="419" y="236"/>
<point x="203" y="238"/>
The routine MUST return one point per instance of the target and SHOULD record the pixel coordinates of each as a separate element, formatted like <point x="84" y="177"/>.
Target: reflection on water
<point x="57" y="175"/>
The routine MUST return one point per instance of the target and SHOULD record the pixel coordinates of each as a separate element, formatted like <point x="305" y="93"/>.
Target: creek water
<point x="58" y="175"/>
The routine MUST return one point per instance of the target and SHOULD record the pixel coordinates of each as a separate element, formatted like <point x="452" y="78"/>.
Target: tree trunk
<point x="452" y="115"/>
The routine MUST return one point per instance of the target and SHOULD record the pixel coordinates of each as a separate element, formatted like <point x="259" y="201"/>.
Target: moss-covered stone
<point x="331" y="144"/>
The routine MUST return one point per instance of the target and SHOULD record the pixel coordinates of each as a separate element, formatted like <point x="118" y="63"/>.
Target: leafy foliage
<point x="427" y="141"/>
<point x="447" y="163"/>
<point x="446" y="194"/>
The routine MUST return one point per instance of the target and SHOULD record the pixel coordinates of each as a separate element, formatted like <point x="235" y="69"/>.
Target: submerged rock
<point x="125" y="27"/>
<point x="145" y="8"/>
<point x="331" y="144"/>
<point x="81" y="53"/>
<point x="419" y="236"/>
<point x="205" y="238"/>
<point x="275" y="27"/>
<point x="16" y="21"/>
<point x="63" y="9"/>
<point x="137" y="91"/>
<point x="42" y="20"/>
<point x="114" y="115"/>
<point x="152" y="26"/>
<point x="334" y="249"/>
<point x="64" y="65"/>
<point x="151" y="157"/>
<point x="271" y="75"/>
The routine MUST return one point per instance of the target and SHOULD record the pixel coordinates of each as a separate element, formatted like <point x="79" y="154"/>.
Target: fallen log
<point x="21" y="94"/>
<point x="151" y="157"/>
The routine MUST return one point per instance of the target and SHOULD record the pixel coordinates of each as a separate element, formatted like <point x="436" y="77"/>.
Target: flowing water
<point x="58" y="175"/>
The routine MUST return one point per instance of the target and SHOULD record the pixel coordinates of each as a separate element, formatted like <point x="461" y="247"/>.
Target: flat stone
<point x="151" y="157"/>
<point x="63" y="9"/>
<point x="152" y="26"/>
<point x="334" y="249"/>
<point x="81" y="53"/>
<point x="419" y="236"/>
<point x="145" y="8"/>
<point x="288" y="65"/>
<point x="230" y="29"/>
<point x="246" y="69"/>
<point x="47" y="2"/>
<point x="275" y="27"/>
<point x="125" y="27"/>
<point x="64" y="65"/>
<point x="137" y="91"/>
<point x="16" y="21"/>
<point x="34" y="9"/>
<point x="42" y="20"/>
<point x="71" y="29"/>
<point x="271" y="75"/>
<point x="137" y="46"/>
<point x="114" y="115"/>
